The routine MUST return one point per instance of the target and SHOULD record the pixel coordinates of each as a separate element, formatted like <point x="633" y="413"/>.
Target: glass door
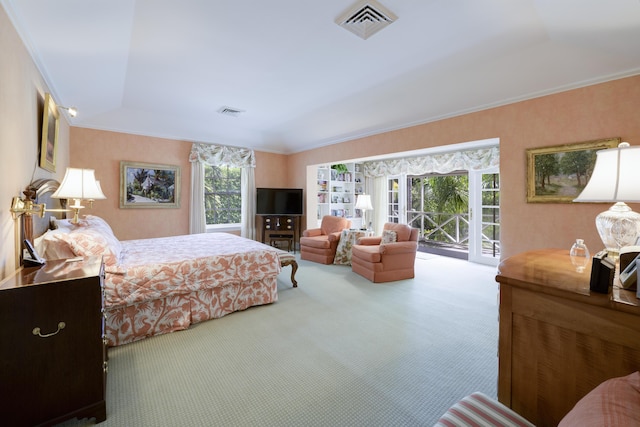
<point x="484" y="224"/>
<point x="396" y="200"/>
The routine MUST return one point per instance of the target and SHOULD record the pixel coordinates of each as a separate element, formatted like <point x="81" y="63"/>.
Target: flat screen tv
<point x="279" y="201"/>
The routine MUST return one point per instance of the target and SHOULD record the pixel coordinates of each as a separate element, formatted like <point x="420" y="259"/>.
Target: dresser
<point x="53" y="354"/>
<point x="557" y="339"/>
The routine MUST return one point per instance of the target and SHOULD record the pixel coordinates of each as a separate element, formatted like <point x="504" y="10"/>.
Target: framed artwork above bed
<point x="149" y="185"/>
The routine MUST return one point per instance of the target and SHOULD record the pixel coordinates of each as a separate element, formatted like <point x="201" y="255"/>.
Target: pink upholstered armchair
<point x="389" y="257"/>
<point x="319" y="244"/>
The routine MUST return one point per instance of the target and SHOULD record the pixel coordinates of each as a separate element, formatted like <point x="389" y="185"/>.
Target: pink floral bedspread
<point x="165" y="284"/>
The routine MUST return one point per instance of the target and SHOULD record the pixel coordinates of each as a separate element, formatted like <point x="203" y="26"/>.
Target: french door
<point x="484" y="212"/>
<point x="405" y="204"/>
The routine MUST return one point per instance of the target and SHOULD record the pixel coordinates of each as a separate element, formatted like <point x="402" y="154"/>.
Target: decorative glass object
<point x="580" y="256"/>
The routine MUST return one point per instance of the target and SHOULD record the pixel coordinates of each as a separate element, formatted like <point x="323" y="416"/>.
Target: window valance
<point x="482" y="158"/>
<point x="222" y="155"/>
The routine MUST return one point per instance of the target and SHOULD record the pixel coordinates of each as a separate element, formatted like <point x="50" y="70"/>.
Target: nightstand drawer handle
<point x="36" y="331"/>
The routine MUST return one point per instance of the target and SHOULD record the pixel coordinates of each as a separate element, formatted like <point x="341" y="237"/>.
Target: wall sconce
<point x="616" y="178"/>
<point x="363" y="202"/>
<point x="73" y="111"/>
<point x="79" y="184"/>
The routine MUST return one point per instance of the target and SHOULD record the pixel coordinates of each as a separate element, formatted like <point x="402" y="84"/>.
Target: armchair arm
<point x="335" y="236"/>
<point x="312" y="232"/>
<point x="373" y="240"/>
<point x="398" y="248"/>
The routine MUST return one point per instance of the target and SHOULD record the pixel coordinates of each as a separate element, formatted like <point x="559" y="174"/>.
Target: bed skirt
<point x="177" y="312"/>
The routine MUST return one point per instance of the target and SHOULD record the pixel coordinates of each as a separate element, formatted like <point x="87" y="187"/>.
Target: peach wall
<point x="271" y="170"/>
<point x="599" y="111"/>
<point x="21" y="105"/>
<point x="103" y="151"/>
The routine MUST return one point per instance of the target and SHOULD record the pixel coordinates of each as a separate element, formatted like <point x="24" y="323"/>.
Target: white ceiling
<point x="165" y="67"/>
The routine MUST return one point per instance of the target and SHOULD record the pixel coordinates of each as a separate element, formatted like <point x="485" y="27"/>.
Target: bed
<point x="160" y="285"/>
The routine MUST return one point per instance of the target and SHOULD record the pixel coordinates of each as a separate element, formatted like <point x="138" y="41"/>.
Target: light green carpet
<point x="336" y="351"/>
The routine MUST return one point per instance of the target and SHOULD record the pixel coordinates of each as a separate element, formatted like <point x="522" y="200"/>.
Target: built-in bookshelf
<point x="338" y="186"/>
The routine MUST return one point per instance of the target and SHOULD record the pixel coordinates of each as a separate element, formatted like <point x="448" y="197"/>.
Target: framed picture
<point x="558" y="174"/>
<point x="49" y="142"/>
<point x="148" y="185"/>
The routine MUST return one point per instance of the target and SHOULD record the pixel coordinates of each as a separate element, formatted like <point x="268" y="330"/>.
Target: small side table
<point x="274" y="238"/>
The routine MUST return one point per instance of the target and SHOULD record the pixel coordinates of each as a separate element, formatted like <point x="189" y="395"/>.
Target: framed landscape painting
<point x="558" y="174"/>
<point x="148" y="185"/>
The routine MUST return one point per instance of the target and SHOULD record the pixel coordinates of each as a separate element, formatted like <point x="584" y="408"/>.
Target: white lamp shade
<point x="364" y="202"/>
<point x="616" y="176"/>
<point x="79" y="184"/>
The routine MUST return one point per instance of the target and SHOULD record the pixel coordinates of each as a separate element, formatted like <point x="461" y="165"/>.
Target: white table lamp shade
<point x="79" y="184"/>
<point x="364" y="202"/>
<point x="615" y="177"/>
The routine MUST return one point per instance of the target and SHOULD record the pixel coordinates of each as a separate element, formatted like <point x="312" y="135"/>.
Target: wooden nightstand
<point x="53" y="354"/>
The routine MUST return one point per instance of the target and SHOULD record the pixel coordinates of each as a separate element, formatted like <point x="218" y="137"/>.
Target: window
<point x="222" y="195"/>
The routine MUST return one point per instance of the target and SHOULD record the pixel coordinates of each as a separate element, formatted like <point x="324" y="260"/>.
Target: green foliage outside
<point x="441" y="197"/>
<point x="222" y="195"/>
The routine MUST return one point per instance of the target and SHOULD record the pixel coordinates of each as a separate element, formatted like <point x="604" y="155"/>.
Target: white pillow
<point x="49" y="246"/>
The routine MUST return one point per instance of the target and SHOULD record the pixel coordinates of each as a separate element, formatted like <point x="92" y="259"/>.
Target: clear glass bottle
<point x="580" y="256"/>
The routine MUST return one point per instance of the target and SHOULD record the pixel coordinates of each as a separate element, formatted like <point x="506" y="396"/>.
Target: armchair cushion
<point x="334" y="224"/>
<point x="372" y="240"/>
<point x="312" y="232"/>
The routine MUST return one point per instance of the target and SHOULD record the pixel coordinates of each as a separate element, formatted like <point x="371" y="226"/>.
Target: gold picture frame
<point x="558" y="174"/>
<point x="149" y="185"/>
<point x="49" y="141"/>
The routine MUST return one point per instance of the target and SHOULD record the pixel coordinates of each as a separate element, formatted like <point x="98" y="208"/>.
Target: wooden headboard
<point x="40" y="191"/>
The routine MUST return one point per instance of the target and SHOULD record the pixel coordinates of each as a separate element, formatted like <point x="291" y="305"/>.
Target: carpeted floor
<point x="336" y="351"/>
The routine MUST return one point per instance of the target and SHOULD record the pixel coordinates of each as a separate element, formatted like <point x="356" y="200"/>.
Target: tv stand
<point x="280" y="227"/>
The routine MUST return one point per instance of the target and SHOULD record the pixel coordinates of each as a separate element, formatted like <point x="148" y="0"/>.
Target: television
<point x="279" y="201"/>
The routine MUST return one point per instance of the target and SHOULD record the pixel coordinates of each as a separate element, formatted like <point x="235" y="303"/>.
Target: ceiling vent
<point x="366" y="18"/>
<point x="228" y="111"/>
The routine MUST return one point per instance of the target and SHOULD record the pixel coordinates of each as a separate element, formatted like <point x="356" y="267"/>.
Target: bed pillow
<point x="614" y="402"/>
<point x="91" y="236"/>
<point x="389" y="236"/>
<point x="49" y="246"/>
<point x="91" y="221"/>
<point x="87" y="241"/>
<point x="63" y="224"/>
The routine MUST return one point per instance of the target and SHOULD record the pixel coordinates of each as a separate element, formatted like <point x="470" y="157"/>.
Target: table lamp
<point x="615" y="178"/>
<point x="363" y="202"/>
<point x="79" y="184"/>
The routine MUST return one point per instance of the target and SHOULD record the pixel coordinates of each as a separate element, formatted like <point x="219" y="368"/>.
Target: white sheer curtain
<point x="379" y="202"/>
<point x="248" y="182"/>
<point x="222" y="155"/>
<point x="197" y="220"/>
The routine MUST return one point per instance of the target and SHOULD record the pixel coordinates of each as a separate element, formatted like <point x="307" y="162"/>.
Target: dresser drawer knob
<point x="36" y="331"/>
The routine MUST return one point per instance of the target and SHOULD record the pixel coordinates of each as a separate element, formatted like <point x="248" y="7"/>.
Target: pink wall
<point x="103" y="151"/>
<point x="599" y="111"/>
